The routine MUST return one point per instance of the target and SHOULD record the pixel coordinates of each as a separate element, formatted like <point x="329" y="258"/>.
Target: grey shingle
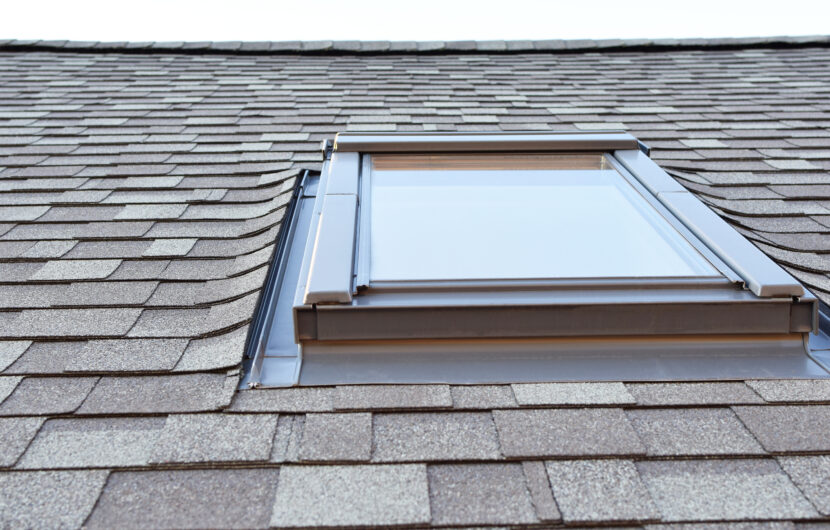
<point x="572" y="394"/>
<point x="812" y="476"/>
<point x="48" y="249"/>
<point x="287" y="440"/>
<point x="566" y="432"/>
<point x="358" y="397"/>
<point x="15" y="435"/>
<point x="671" y="432"/>
<point x="159" y="394"/>
<point x="212" y="353"/>
<point x="77" y="269"/>
<point x="340" y="437"/>
<point x="79" y="322"/>
<point x="215" y="438"/>
<point x="226" y="498"/>
<point x="10" y="350"/>
<point x="482" y="397"/>
<point x="21" y="213"/>
<point x="48" y="499"/>
<point x="89" y="443"/>
<point x="473" y="494"/>
<point x="170" y="247"/>
<point x="309" y="496"/>
<point x="538" y="484"/>
<point x="283" y="400"/>
<point x="600" y="490"/>
<point x="435" y="436"/>
<point x="789" y="428"/>
<point x="792" y="390"/>
<point x="151" y="211"/>
<point x="701" y="490"/>
<point x="8" y="385"/>
<point x="693" y="394"/>
<point x="39" y="396"/>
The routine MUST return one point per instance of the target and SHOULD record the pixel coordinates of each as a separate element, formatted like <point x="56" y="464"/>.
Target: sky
<point x="275" y="20"/>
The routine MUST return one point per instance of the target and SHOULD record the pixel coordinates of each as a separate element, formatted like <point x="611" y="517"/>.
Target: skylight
<point x="471" y="258"/>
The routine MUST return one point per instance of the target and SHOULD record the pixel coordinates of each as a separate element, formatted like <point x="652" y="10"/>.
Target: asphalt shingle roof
<point x="142" y="187"/>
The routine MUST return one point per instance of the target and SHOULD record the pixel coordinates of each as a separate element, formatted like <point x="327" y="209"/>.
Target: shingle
<point x="10" y="350"/>
<point x="340" y="437"/>
<point x="222" y="498"/>
<point x="793" y="428"/>
<point x="37" y="396"/>
<point x="572" y="394"/>
<point x="15" y="435"/>
<point x="159" y="394"/>
<point x="48" y="499"/>
<point x="357" y="397"/>
<point x="538" y="484"/>
<point x="107" y="293"/>
<point x="170" y="247"/>
<point x="812" y="476"/>
<point x="792" y="390"/>
<point x="312" y="496"/>
<point x="221" y="351"/>
<point x="479" y="494"/>
<point x="49" y="249"/>
<point x="482" y="397"/>
<point x="151" y="211"/>
<point x="566" y="432"/>
<point x="66" y="323"/>
<point x="590" y="491"/>
<point x="67" y="269"/>
<point x="286" y="446"/>
<point x="283" y="400"/>
<point x="21" y="213"/>
<point x="681" y="431"/>
<point x="435" y="437"/>
<point x="692" y="394"/>
<point x="702" y="490"/>
<point x="215" y="438"/>
<point x="93" y="442"/>
<point x="7" y="386"/>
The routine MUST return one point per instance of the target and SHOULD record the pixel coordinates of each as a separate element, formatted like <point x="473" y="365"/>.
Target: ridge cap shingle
<point x="380" y="47"/>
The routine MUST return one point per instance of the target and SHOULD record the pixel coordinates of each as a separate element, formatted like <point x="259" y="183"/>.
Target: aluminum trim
<point x="519" y="141"/>
<point x="330" y="273"/>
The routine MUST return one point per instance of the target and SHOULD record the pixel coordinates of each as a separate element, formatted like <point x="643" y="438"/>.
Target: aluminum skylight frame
<point x="337" y="311"/>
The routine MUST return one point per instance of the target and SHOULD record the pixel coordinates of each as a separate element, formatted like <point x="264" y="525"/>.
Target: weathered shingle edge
<point x="420" y="47"/>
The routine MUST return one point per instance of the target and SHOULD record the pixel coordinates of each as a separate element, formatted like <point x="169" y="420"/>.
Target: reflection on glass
<point x="446" y="218"/>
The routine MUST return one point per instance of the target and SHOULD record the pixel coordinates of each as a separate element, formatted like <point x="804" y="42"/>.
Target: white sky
<point x="194" y="20"/>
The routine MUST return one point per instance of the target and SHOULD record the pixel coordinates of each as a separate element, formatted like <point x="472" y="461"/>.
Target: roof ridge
<point x="420" y="47"/>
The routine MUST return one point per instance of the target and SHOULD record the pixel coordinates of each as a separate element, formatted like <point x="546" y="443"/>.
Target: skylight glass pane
<point x="540" y="217"/>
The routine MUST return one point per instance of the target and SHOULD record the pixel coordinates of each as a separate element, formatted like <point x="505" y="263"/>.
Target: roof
<point x="141" y="191"/>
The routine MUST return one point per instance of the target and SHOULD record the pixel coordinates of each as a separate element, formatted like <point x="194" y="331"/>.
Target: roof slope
<point x="140" y="195"/>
